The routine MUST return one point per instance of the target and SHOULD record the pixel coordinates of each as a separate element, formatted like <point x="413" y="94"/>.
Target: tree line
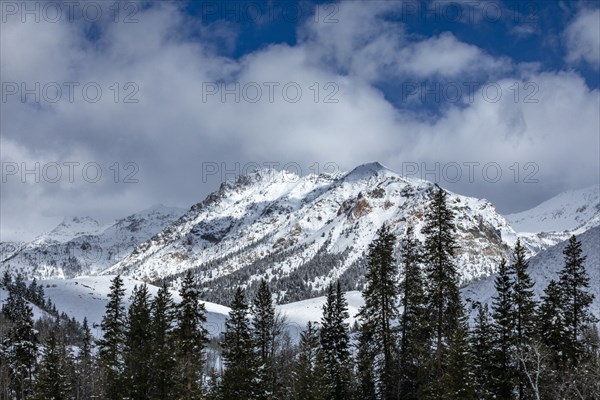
<point x="414" y="337"/>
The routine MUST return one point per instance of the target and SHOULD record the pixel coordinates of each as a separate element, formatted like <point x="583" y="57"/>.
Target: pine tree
<point x="444" y="305"/>
<point x="52" y="378"/>
<point x="457" y="383"/>
<point x="264" y="331"/>
<point x="20" y="343"/>
<point x="482" y="354"/>
<point x="85" y="365"/>
<point x="241" y="362"/>
<point x="335" y="342"/>
<point x="111" y="346"/>
<point x="524" y="311"/>
<point x="6" y="280"/>
<point x="379" y="315"/>
<point x="191" y="338"/>
<point x="413" y="321"/>
<point x="308" y="372"/>
<point x="364" y="364"/>
<point x="551" y="325"/>
<point x="503" y="334"/>
<point x="162" y="359"/>
<point x="138" y="346"/>
<point x="574" y="284"/>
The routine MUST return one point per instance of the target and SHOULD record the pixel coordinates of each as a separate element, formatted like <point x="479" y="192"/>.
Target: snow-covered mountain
<point x="546" y="266"/>
<point x="87" y="296"/>
<point x="301" y="232"/>
<point x="298" y="232"/>
<point x="80" y="245"/>
<point x="554" y="220"/>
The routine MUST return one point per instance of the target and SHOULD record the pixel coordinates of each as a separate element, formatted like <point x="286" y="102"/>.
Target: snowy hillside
<point x="545" y="266"/>
<point x="554" y="220"/>
<point x="37" y="312"/>
<point x="567" y="211"/>
<point x="303" y="232"/>
<point x="80" y="245"/>
<point x="87" y="297"/>
<point x="299" y="313"/>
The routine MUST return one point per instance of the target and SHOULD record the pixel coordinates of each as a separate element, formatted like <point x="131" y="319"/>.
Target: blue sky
<point x="507" y="85"/>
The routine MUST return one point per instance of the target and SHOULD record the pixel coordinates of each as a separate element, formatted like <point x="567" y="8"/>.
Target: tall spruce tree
<point x="458" y="383"/>
<point x="414" y="340"/>
<point x="162" y="359"/>
<point x="112" y="345"/>
<point x="84" y="365"/>
<point x="574" y="284"/>
<point x="482" y="355"/>
<point x="524" y="313"/>
<point x="364" y="364"/>
<point x="308" y="372"/>
<point x="52" y="381"/>
<point x="444" y="306"/>
<point x="138" y="346"/>
<point x="265" y="334"/>
<point x="20" y="344"/>
<point x="335" y="342"/>
<point x="379" y="315"/>
<point x="191" y="338"/>
<point x="241" y="361"/>
<point x="551" y="325"/>
<point x="503" y="327"/>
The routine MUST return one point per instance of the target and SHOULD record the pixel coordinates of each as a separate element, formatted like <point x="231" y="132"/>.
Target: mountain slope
<point x="567" y="211"/>
<point x="86" y="297"/>
<point x="301" y="233"/>
<point x="554" y="220"/>
<point x="80" y="245"/>
<point x="546" y="266"/>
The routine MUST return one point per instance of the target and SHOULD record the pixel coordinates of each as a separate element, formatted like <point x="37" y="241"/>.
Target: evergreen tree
<point x="6" y="280"/>
<point x="335" y="342"/>
<point x="52" y="378"/>
<point x="413" y="321"/>
<point x="162" y="359"/>
<point x="551" y="326"/>
<point x="20" y="344"/>
<point x="111" y="346"/>
<point x="241" y="362"/>
<point x="379" y="315"/>
<point x="85" y="365"/>
<point x="524" y="312"/>
<point x="364" y="364"/>
<point x="264" y="330"/>
<point x="191" y="338"/>
<point x="458" y="383"/>
<point x="503" y="334"/>
<point x="574" y="284"/>
<point x="482" y="354"/>
<point x="444" y="307"/>
<point x="138" y="346"/>
<point x="309" y="368"/>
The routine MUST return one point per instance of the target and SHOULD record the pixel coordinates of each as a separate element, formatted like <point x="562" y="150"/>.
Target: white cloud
<point x="583" y="37"/>
<point x="171" y="131"/>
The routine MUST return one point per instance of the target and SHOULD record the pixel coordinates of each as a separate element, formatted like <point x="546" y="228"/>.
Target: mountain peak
<point x="367" y="170"/>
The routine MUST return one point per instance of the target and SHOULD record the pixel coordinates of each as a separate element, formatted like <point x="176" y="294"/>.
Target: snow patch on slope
<point x="565" y="212"/>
